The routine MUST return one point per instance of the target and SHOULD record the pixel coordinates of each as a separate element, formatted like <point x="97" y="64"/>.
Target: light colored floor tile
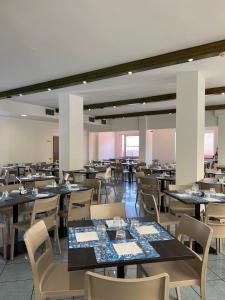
<point x="18" y="290"/>
<point x="14" y="272"/>
<point x="187" y="293"/>
<point x="218" y="267"/>
<point x="215" y="290"/>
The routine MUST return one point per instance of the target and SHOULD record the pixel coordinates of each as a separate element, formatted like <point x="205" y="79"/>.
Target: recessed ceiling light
<point x="114" y="106"/>
<point x="23" y="115"/>
<point x="49" y="89"/>
<point x="222" y="93"/>
<point x="144" y="103"/>
<point x="190" y="59"/>
<point x="84" y="82"/>
<point x="170" y="113"/>
<point x="20" y="95"/>
<point x="89" y="109"/>
<point x="130" y="73"/>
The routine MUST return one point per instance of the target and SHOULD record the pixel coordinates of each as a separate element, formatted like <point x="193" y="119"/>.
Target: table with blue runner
<point x="104" y="247"/>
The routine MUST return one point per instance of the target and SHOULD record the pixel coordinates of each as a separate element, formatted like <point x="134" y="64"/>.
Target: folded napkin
<point x="147" y="229"/>
<point x="220" y="194"/>
<point x="42" y="195"/>
<point x="212" y="200"/>
<point x="73" y="185"/>
<point x="115" y="223"/>
<point x="86" y="236"/>
<point x="15" y="191"/>
<point x="127" y="248"/>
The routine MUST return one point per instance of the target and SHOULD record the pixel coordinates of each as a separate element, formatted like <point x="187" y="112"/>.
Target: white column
<point x="71" y="129"/>
<point x="190" y="126"/>
<point x="144" y="140"/>
<point x="221" y="138"/>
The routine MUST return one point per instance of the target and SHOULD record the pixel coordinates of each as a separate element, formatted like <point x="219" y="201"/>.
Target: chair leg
<point x="217" y="246"/>
<point x="203" y="291"/>
<point x="12" y="243"/>
<point x="4" y="242"/>
<point x="136" y="199"/>
<point x="178" y="293"/>
<point x="56" y="238"/>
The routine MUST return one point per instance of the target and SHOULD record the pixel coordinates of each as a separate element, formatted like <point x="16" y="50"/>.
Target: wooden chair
<point x="106" y="179"/>
<point x="79" y="205"/>
<point x="215" y="218"/>
<point x="110" y="210"/>
<point x="151" y="182"/>
<point x="150" y="207"/>
<point x="186" y="272"/>
<point x="107" y="288"/>
<point x="50" y="279"/>
<point x="45" y="209"/>
<point x="178" y="208"/>
<point x="138" y="176"/>
<point x="207" y="186"/>
<point x="96" y="185"/>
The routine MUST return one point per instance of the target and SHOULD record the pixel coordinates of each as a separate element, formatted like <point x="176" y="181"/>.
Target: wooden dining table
<point x="159" y="247"/>
<point x="15" y="199"/>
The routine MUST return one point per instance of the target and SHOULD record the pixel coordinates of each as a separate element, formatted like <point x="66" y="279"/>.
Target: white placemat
<point x="147" y="229"/>
<point x="42" y="195"/>
<point x="115" y="223"/>
<point x="220" y="194"/>
<point x="15" y="191"/>
<point x="127" y="248"/>
<point x="86" y="236"/>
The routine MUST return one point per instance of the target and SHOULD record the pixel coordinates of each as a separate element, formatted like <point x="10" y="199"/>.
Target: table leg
<point x="162" y="207"/>
<point x="120" y="272"/>
<point x="61" y="220"/>
<point x="15" y="220"/>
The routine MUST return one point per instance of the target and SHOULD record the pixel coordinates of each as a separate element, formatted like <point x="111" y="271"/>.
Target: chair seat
<point x="181" y="273"/>
<point x="178" y="207"/>
<point x="58" y="282"/>
<point x="24" y="225"/>
<point x="167" y="219"/>
<point x="6" y="211"/>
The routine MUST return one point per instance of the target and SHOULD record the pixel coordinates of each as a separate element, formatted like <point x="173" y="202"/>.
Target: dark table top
<point x="84" y="258"/>
<point x="38" y="178"/>
<point x="16" y="198"/>
<point x="85" y="171"/>
<point x="192" y="199"/>
<point x="211" y="181"/>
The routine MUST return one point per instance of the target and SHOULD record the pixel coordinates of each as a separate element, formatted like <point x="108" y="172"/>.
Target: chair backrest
<point x="40" y="183"/>
<point x="202" y="234"/>
<point x="108" y="173"/>
<point x="79" y="205"/>
<point x="139" y="174"/>
<point x="34" y="238"/>
<point x="207" y="186"/>
<point x="151" y="181"/>
<point x="110" y="210"/>
<point x="176" y="187"/>
<point x="47" y="210"/>
<point x="9" y="187"/>
<point x="150" y="205"/>
<point x="99" y="287"/>
<point x="215" y="218"/>
<point x="96" y="185"/>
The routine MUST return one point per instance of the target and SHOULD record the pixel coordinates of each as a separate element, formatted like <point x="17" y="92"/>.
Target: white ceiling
<point x="43" y="40"/>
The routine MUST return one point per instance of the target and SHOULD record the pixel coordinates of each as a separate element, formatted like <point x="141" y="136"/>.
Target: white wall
<point x="163" y="145"/>
<point x="106" y="145"/>
<point x="24" y="140"/>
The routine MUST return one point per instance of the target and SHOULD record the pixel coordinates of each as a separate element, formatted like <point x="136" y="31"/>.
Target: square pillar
<point x="190" y="126"/>
<point x="221" y="137"/>
<point x="71" y="128"/>
<point x="145" y="139"/>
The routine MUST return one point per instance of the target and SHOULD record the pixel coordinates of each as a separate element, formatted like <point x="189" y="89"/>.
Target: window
<point x="209" y="144"/>
<point x="132" y="145"/>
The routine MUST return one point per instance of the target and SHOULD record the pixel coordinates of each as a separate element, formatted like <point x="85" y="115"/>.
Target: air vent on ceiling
<point x="57" y="110"/>
<point x="91" y="119"/>
<point x="49" y="112"/>
<point x="103" y="122"/>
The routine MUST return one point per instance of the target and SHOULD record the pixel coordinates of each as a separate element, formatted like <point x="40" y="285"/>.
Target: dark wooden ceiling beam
<point x="150" y="99"/>
<point x="158" y="61"/>
<point x="153" y="112"/>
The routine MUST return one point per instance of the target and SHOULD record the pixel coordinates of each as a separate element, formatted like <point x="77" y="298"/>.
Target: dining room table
<point x="15" y="198"/>
<point x="198" y="198"/>
<point x="87" y="172"/>
<point x="170" y="170"/>
<point x="94" y="244"/>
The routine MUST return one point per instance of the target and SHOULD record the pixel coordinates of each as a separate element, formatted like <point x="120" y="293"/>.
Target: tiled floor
<point x="16" y="278"/>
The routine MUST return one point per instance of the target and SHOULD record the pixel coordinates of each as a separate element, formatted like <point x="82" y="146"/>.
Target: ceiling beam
<point x="153" y="112"/>
<point x="154" y="62"/>
<point x="150" y="99"/>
